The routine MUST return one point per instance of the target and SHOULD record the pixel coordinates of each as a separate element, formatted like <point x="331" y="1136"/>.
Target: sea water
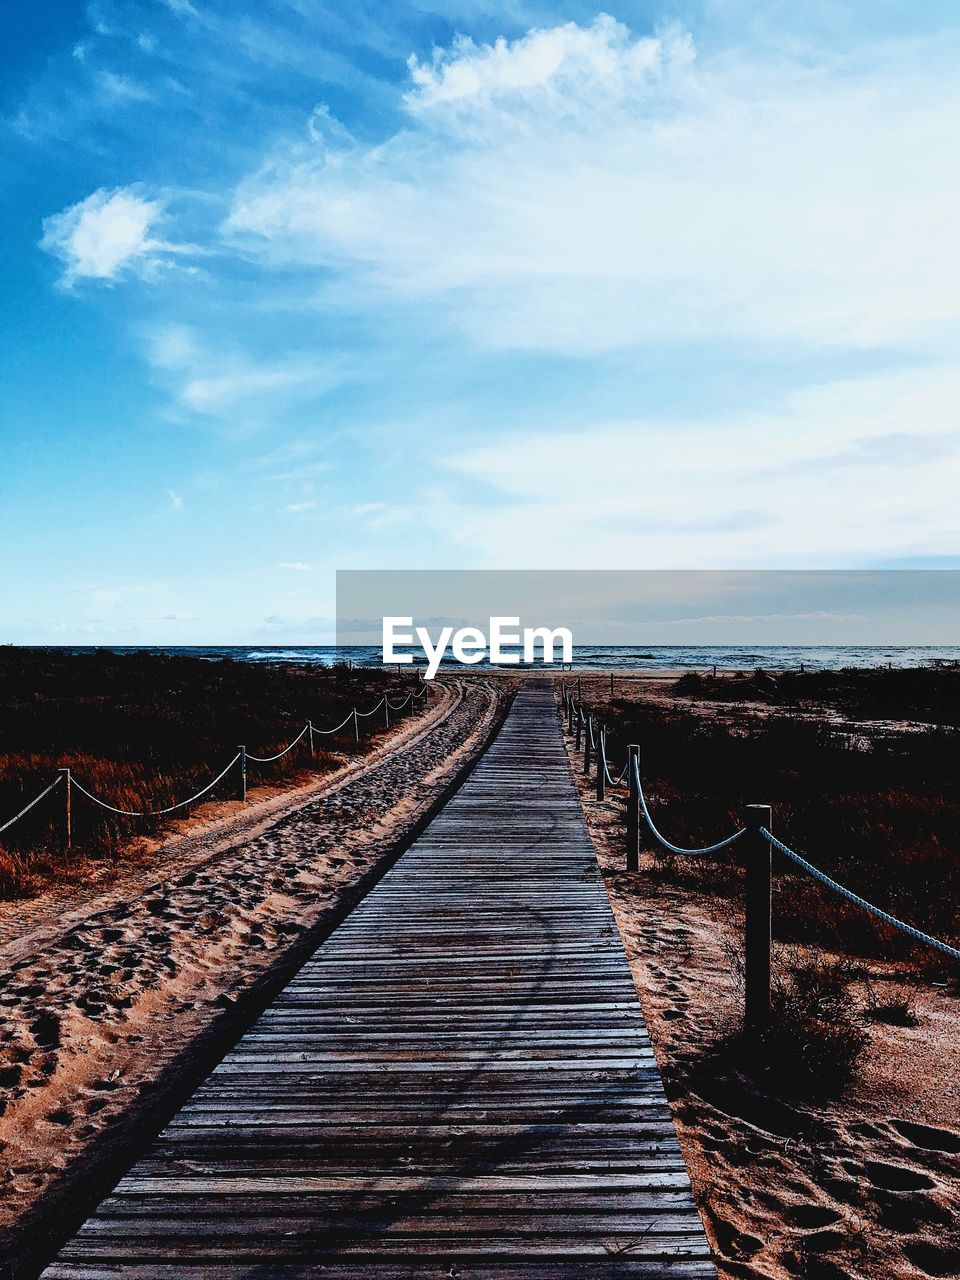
<point x="654" y="657"/>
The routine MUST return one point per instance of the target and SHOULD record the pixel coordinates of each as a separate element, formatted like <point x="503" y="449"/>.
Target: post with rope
<point x="601" y="760"/>
<point x="310" y="738"/>
<point x="587" y="739"/>
<point x="757" y="918"/>
<point x="243" y="773"/>
<point x="633" y="807"/>
<point x="356" y="725"/>
<point x="386" y="712"/>
<point x="67" y="809"/>
<point x="579" y="720"/>
<point x="570" y="715"/>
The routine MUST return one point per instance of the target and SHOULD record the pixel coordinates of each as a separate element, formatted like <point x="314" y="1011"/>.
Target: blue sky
<point x="297" y="286"/>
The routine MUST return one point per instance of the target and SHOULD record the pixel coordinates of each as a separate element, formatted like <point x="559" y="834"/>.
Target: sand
<point x="114" y="1007"/>
<point x="867" y="1186"/>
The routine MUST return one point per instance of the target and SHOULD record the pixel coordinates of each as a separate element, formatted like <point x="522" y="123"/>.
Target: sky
<point x="293" y="287"/>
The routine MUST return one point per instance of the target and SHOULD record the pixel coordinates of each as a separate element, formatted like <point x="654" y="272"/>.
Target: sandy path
<point x="864" y="1188"/>
<point x="104" y="1013"/>
<point x="205" y="830"/>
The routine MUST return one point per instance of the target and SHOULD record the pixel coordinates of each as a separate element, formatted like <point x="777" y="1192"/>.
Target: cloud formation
<point x="106" y="234"/>
<point x="760" y="488"/>
<point x="585" y="190"/>
<point x="233" y="384"/>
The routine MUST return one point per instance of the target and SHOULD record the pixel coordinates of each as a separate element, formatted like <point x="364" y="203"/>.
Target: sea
<point x="604" y="657"/>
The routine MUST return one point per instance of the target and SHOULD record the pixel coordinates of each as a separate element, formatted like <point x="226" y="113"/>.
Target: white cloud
<point x="584" y="190"/>
<point x="233" y="384"/>
<point x="176" y="502"/>
<point x="711" y="494"/>
<point x="568" y="62"/>
<point x="123" y="88"/>
<point x="299" y="506"/>
<point x="296" y="565"/>
<point x="107" y="233"/>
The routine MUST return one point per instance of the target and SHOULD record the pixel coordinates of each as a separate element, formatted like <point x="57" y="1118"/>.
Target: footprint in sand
<point x="905" y="1214"/>
<point x="732" y="1242"/>
<point x="897" y="1177"/>
<point x="818" y="1268"/>
<point x="928" y="1137"/>
<point x="45" y="1030"/>
<point x="935" y="1259"/>
<point x="811" y="1216"/>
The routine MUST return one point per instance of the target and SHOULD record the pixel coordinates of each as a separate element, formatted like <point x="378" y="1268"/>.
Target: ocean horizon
<point x="623" y="657"/>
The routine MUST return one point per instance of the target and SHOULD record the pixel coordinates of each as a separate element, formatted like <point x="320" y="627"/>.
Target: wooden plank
<point x="459" y="1081"/>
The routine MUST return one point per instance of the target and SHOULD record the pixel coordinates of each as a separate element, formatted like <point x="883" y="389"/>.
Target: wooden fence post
<point x="67" y="810"/>
<point x="757" y="912"/>
<point x="386" y="712"/>
<point x="243" y="773"/>
<point x="587" y="731"/>
<point x="579" y="723"/>
<point x="601" y="758"/>
<point x="356" y="724"/>
<point x="633" y="808"/>
<point x="310" y="738"/>
<point x="570" y="715"/>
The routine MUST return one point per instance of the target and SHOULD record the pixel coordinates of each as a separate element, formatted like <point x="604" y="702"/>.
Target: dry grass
<point x="880" y="814"/>
<point x="925" y="694"/>
<point x="144" y="731"/>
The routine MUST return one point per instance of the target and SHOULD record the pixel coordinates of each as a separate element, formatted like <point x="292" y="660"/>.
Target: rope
<point x="280" y="754"/>
<point x="917" y="934"/>
<point x="611" y="781"/>
<point x="36" y="800"/>
<point x="153" y="813"/>
<point x="328" y="731"/>
<point x="615" y="782"/>
<point x="674" y="848"/>
<point x="375" y="709"/>
<point x="855" y="898"/>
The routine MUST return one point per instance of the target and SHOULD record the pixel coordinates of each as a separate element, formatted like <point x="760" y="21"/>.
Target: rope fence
<point x="36" y="800"/>
<point x="242" y="757"/>
<point x="758" y="842"/>
<point x="154" y="813"/>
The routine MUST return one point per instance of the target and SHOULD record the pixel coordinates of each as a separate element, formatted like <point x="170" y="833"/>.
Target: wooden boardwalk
<point x="457" y="1084"/>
